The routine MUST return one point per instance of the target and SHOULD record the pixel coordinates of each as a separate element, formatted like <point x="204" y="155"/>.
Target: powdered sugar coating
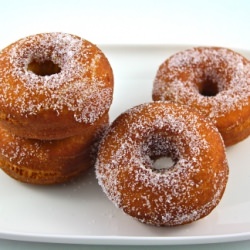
<point x="49" y="161"/>
<point x="214" y="81"/>
<point x="179" y="77"/>
<point x="187" y="191"/>
<point x="22" y="155"/>
<point x="77" y="88"/>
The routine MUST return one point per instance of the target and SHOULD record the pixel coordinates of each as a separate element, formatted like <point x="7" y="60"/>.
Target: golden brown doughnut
<point x="215" y="81"/>
<point x="185" y="192"/>
<point x="50" y="161"/>
<point x="53" y="85"/>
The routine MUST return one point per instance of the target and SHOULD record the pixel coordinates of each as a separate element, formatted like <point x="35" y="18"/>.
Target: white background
<point x="203" y="22"/>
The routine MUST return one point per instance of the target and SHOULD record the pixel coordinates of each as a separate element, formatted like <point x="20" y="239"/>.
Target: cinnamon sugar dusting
<point x="168" y="196"/>
<point x="76" y="87"/>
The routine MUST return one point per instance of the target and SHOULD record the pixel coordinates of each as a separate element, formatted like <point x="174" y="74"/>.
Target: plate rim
<point x="125" y="240"/>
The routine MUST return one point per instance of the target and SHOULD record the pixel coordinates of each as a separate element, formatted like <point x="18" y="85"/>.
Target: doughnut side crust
<point x="183" y="76"/>
<point x="50" y="161"/>
<point x="60" y="104"/>
<point x="183" y="193"/>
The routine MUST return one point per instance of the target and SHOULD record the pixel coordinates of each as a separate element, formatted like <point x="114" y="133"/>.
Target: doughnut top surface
<point x="80" y="79"/>
<point x="180" y="79"/>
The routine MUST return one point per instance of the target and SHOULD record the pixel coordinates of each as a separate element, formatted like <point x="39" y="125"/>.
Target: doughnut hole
<point x="159" y="156"/>
<point x="208" y="88"/>
<point x="45" y="68"/>
<point x="162" y="163"/>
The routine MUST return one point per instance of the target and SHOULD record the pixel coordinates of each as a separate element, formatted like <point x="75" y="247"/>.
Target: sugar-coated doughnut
<point x="53" y="85"/>
<point x="215" y="81"/>
<point x="50" y="161"/>
<point x="185" y="192"/>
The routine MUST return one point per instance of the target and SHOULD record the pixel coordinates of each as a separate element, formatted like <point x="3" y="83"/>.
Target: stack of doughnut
<point x="201" y="104"/>
<point x="55" y="93"/>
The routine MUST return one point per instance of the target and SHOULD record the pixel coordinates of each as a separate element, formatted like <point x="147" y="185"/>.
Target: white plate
<point x="79" y="212"/>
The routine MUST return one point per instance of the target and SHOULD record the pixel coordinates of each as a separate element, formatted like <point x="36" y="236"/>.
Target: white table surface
<point x="209" y="22"/>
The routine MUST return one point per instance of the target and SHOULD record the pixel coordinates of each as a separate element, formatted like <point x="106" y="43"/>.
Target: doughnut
<point x="213" y="80"/>
<point x="182" y="193"/>
<point x="53" y="86"/>
<point x="49" y="161"/>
